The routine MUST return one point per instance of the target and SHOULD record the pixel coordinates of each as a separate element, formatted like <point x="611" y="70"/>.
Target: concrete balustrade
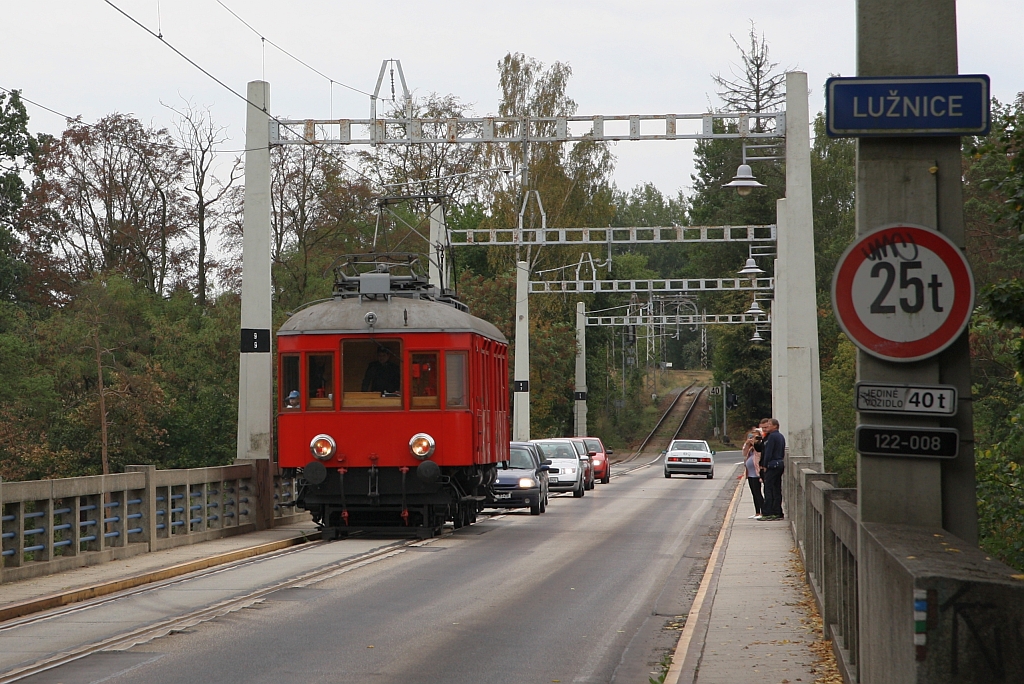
<point x="903" y="603"/>
<point x="54" y="525"/>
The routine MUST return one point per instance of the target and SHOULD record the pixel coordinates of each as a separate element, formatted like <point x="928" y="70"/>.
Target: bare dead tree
<point x="199" y="137"/>
<point x="759" y="87"/>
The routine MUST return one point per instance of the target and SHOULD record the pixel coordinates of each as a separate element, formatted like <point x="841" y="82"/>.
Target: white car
<point x="689" y="457"/>
<point x="566" y="471"/>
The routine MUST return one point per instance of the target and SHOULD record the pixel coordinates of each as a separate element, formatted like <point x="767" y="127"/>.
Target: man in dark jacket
<point x="773" y="464"/>
<point x="382" y="375"/>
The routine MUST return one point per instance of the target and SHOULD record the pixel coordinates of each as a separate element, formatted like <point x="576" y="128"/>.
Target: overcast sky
<point x="638" y="57"/>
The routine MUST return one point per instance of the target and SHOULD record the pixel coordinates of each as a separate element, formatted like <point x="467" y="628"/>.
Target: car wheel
<point x="711" y="475"/>
<point x="579" y="491"/>
<point x="535" y="508"/>
<point x="668" y="475"/>
<point x="607" y="476"/>
<point x="543" y="504"/>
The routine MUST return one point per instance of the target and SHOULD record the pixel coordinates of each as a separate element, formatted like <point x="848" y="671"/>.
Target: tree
<point x="108" y="199"/>
<point x="199" y="137"/>
<point x="760" y="88"/>
<point x="17" y="147"/>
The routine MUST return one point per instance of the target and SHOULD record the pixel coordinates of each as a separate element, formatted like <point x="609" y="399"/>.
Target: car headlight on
<point x="572" y="470"/>
<point x="323" y="447"/>
<point x="527" y="482"/>
<point x="421" y="445"/>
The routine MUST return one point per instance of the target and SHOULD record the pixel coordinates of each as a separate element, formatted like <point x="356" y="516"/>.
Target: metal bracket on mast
<point x="522" y="212"/>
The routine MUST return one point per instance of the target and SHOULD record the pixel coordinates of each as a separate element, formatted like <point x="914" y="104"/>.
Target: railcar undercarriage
<point x="392" y="500"/>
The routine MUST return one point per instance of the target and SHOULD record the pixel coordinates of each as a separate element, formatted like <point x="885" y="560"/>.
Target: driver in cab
<point x="382" y="375"/>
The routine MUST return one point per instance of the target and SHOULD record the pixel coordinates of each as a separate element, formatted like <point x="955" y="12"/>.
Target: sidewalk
<point x="750" y="626"/>
<point x="42" y="593"/>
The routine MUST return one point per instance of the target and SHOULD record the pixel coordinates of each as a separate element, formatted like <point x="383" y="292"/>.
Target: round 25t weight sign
<point x="903" y="292"/>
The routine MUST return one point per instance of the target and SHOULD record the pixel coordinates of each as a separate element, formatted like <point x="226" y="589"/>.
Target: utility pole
<point x="255" y="411"/>
<point x="521" y="363"/>
<point x="580" y="390"/>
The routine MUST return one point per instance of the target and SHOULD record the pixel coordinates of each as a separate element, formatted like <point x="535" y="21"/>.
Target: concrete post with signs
<point x="255" y="411"/>
<point x="903" y="294"/>
<point x="917" y="181"/>
<point x="580" y="390"/>
<point x="521" y="360"/>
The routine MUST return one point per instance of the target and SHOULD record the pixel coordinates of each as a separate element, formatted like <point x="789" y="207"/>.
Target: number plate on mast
<point x="887" y="440"/>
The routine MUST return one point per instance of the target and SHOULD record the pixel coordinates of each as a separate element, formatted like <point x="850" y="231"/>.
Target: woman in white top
<point x="751" y="466"/>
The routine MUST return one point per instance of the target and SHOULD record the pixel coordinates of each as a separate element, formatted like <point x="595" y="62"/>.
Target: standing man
<point x="773" y="464"/>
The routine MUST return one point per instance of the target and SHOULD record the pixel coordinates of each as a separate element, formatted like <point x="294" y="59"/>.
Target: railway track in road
<point x="126" y="640"/>
<point x="667" y="428"/>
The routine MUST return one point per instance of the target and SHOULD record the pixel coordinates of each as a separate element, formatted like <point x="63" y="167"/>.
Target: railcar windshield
<point x="522" y="459"/>
<point x="320" y="382"/>
<point x="558" y="450"/>
<point x="371" y="374"/>
<point x="423" y="372"/>
<point x="289" y="386"/>
<point x="685" y="445"/>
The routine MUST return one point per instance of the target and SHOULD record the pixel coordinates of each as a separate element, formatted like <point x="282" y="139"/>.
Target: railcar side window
<point x="289" y="383"/>
<point x="371" y="374"/>
<point x="455" y="379"/>
<point x="424" y="381"/>
<point x="320" y="383"/>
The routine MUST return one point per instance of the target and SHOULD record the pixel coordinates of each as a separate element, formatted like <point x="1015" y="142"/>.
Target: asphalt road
<point x="586" y="592"/>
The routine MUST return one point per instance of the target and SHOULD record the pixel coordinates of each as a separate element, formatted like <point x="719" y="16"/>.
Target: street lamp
<point x="755" y="309"/>
<point x="750" y="268"/>
<point x="757" y="337"/>
<point x="744" y="181"/>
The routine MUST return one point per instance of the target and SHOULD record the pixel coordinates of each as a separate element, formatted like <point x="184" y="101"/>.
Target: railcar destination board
<point x="890" y="440"/>
<point x="922" y="400"/>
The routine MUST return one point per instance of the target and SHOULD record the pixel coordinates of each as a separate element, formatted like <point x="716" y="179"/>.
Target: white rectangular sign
<point x="929" y="400"/>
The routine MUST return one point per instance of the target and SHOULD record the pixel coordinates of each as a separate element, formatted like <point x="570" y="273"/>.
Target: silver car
<point x="567" y="469"/>
<point x="689" y="457"/>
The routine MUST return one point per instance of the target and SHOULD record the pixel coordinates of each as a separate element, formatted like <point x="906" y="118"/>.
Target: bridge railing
<point x="899" y="602"/>
<point x="54" y="525"/>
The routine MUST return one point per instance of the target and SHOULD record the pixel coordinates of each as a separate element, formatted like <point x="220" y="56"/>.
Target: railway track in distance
<point x="672" y="421"/>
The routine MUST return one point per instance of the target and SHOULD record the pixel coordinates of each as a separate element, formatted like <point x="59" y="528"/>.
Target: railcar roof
<point x="396" y="315"/>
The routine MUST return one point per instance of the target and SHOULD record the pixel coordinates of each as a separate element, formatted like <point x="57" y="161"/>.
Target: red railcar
<point x="393" y="406"/>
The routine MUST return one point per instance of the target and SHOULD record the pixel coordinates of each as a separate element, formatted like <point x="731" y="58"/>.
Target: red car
<point x="599" y="457"/>
<point x="590" y="478"/>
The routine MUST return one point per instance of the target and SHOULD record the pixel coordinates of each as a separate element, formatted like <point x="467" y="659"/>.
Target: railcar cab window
<point x="320" y="382"/>
<point x="372" y="374"/>
<point x="423" y="380"/>
<point x="289" y="387"/>
<point x="455" y="379"/>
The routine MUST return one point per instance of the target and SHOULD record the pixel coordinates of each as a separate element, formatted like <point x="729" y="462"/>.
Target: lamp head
<point x="744" y="181"/>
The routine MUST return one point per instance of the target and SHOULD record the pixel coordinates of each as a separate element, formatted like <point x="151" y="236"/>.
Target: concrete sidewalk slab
<point x="757" y="629"/>
<point x="50" y="591"/>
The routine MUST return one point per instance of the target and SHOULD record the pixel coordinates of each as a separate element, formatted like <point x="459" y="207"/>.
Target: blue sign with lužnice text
<point x="907" y="106"/>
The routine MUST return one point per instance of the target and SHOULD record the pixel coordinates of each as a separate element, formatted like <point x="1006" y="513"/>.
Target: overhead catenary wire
<point x="317" y="149"/>
<point x="289" y="54"/>
<point x="77" y="120"/>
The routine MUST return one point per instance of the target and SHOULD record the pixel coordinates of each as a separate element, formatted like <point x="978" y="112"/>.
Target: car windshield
<point x="685" y="445"/>
<point x="594" y="445"/>
<point x="557" y="450"/>
<point x="521" y="458"/>
<point x="581" y="448"/>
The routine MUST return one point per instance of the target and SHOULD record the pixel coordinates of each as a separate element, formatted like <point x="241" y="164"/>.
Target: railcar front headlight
<point x="421" y="445"/>
<point x="323" y="447"/>
<point x="527" y="482"/>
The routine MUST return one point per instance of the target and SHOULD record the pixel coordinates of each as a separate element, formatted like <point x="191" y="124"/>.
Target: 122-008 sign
<point x="903" y="292"/>
<point x="887" y="440"/>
